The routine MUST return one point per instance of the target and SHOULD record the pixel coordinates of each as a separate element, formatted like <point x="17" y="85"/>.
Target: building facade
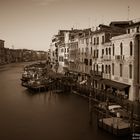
<point x="110" y="55"/>
<point x="2" y="52"/>
<point x="126" y="60"/>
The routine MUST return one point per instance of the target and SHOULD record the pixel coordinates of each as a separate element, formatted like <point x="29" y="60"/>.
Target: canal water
<point x="43" y="116"/>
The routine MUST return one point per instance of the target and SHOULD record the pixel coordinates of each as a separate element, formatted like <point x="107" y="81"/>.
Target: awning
<point x="97" y="78"/>
<point x="77" y="72"/>
<point x="114" y="84"/>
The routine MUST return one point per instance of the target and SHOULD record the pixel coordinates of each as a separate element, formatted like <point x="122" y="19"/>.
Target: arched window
<point x="131" y="48"/>
<point x="93" y="67"/>
<point x="109" y="69"/>
<point x="109" y="51"/>
<point x="105" y="68"/>
<point x="130" y="71"/>
<point x="106" y="51"/>
<point x="121" y="49"/>
<point x="113" y="51"/>
<point x="97" y="67"/>
<point x="121" y="70"/>
<point x="102" y="68"/>
<point x="102" y="52"/>
<point x="112" y="68"/>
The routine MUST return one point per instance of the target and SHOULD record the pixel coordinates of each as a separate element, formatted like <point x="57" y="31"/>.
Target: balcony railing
<point x="106" y="57"/>
<point x="119" y="57"/>
<point x="86" y="54"/>
<point x="95" y="57"/>
<point x="96" y="73"/>
<point x="71" y="60"/>
<point x="106" y="76"/>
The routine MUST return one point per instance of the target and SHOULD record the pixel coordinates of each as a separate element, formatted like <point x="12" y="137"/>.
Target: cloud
<point x="47" y="2"/>
<point x="44" y="2"/>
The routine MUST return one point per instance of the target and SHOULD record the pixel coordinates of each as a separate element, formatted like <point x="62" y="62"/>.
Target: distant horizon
<point x="26" y="49"/>
<point x="31" y="24"/>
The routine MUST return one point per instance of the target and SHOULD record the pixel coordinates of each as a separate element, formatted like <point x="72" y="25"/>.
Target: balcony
<point x="106" y="76"/>
<point x="106" y="57"/>
<point x="94" y="57"/>
<point x="86" y="54"/>
<point x="71" y="60"/>
<point x="96" y="73"/>
<point x="119" y="57"/>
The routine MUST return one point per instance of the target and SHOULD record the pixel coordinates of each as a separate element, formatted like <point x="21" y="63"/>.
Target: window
<point x="121" y="49"/>
<point x="86" y="61"/>
<point x="109" y="51"/>
<point x="112" y="68"/>
<point x="94" y="40"/>
<point x="138" y="29"/>
<point x="61" y="50"/>
<point x="131" y="48"/>
<point x="97" y="40"/>
<point x="97" y="67"/>
<point x="97" y="53"/>
<point x="61" y="59"/>
<point x="94" y="67"/>
<point x="91" y="40"/>
<point x="128" y="31"/>
<point x="102" y="68"/>
<point x="121" y="70"/>
<point x="130" y="71"/>
<point x="109" y="69"/>
<point x="90" y="63"/>
<point x="87" y="41"/>
<point x="82" y="50"/>
<point x="106" y="51"/>
<point x="94" y="53"/>
<point x="67" y="49"/>
<point x="103" y="39"/>
<point x="95" y="84"/>
<point x="79" y="51"/>
<point x="91" y="50"/>
<point x="113" y="50"/>
<point x="86" y="50"/>
<point x="82" y="41"/>
<point x="105" y="68"/>
<point x="102" y="52"/>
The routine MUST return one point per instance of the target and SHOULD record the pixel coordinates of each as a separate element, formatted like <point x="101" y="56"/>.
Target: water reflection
<point x="43" y="116"/>
<point x="48" y="97"/>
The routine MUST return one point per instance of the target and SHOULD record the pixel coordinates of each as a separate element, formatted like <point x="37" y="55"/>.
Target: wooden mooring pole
<point x="90" y="108"/>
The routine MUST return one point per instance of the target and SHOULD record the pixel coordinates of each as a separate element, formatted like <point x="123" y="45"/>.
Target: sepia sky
<point x="31" y="24"/>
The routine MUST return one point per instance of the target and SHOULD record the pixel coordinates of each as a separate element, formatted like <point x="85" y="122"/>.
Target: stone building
<point x="59" y="48"/>
<point x="85" y="51"/>
<point x="102" y="50"/>
<point x="126" y="60"/>
<point x="8" y="58"/>
<point x="2" y="52"/>
<point x="110" y="55"/>
<point x="74" y="53"/>
<point x="54" y="49"/>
